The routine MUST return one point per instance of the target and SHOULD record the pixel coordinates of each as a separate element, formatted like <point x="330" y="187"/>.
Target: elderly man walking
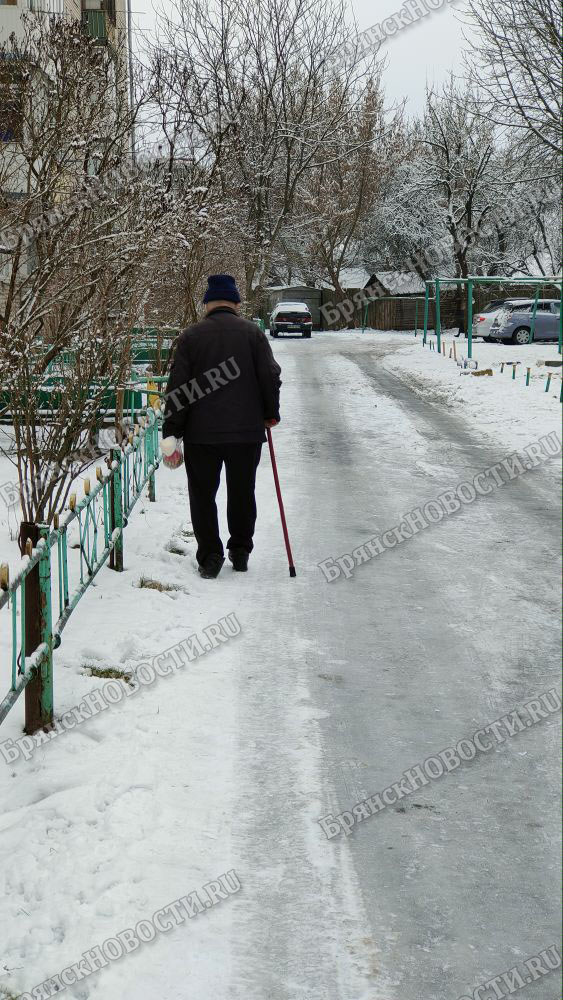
<point x="223" y="390"/>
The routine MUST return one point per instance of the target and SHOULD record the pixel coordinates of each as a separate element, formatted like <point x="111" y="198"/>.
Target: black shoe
<point x="239" y="559"/>
<point x="211" y="568"/>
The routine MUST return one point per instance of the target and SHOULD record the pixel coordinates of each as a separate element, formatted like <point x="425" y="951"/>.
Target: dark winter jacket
<point x="224" y="382"/>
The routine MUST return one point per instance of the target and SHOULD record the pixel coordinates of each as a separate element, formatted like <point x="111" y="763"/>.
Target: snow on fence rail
<point x="97" y="522"/>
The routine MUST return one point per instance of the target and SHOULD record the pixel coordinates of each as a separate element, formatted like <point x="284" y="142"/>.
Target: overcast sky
<point x="424" y="51"/>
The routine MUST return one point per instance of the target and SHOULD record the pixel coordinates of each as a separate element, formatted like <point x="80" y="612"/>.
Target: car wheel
<point x="521" y="336"/>
<point x="273" y="332"/>
<point x="306" y="334"/>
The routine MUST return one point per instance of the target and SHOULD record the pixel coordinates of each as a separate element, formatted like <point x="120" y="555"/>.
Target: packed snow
<point x="328" y="693"/>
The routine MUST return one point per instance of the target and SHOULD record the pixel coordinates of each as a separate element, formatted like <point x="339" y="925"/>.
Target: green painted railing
<point x="48" y="399"/>
<point x="473" y="280"/>
<point x="95" y="24"/>
<point x="95" y="525"/>
<point x="150" y="345"/>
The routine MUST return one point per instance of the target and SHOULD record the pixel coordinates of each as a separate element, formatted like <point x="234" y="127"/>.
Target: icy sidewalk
<point x="167" y="790"/>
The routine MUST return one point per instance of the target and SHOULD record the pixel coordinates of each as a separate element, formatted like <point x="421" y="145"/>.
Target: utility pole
<point x="131" y="80"/>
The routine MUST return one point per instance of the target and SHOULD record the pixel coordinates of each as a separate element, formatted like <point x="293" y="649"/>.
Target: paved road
<point x="357" y="680"/>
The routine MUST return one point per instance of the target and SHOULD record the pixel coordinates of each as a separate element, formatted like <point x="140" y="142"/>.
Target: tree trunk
<point x="33" y="711"/>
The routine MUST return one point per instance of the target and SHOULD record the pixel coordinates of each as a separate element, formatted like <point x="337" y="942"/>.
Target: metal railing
<point x="95" y="24"/>
<point x="471" y="282"/>
<point x="47" y="400"/>
<point x="95" y="526"/>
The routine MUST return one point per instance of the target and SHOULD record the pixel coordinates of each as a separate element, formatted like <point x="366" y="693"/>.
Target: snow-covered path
<point x="330" y="692"/>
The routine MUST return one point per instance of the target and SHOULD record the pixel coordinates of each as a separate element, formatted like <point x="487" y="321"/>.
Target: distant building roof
<point x="354" y="277"/>
<point x="397" y="282"/>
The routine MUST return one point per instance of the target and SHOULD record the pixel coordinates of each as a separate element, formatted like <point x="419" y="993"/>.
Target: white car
<point x="483" y="320"/>
<point x="291" y="317"/>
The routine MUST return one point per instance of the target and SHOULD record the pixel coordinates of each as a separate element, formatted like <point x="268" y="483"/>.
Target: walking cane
<point x="280" y="502"/>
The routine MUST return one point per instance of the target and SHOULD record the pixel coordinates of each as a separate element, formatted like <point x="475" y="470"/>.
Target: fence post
<point x="151" y="433"/>
<point x="534" y="311"/>
<point x="116" y="511"/>
<point x="47" y="699"/>
<point x="469" y="319"/>
<point x="426" y="296"/>
<point x="438" y="323"/>
<point x="37" y="596"/>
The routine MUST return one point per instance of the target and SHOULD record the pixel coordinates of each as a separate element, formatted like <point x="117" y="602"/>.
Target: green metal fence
<point x="48" y="400"/>
<point x="149" y="346"/>
<point x="470" y="283"/>
<point x="40" y="598"/>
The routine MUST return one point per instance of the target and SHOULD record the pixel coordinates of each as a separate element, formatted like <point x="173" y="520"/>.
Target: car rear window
<point x="492" y="306"/>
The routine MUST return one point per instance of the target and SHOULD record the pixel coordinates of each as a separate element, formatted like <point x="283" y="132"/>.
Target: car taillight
<point x="481" y="319"/>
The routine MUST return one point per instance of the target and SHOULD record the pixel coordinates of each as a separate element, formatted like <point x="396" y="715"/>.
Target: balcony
<point x="95" y="24"/>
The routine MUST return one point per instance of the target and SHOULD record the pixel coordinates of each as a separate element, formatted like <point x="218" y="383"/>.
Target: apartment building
<point x="104" y="20"/>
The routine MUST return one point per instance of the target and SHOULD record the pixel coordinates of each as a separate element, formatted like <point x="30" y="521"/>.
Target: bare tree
<point x="442" y="197"/>
<point x="344" y="190"/>
<point x="251" y="85"/>
<point x="515" y="55"/>
<point x="462" y="202"/>
<point x="78" y="227"/>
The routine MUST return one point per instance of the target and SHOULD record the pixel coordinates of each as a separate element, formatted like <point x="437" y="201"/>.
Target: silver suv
<point x="514" y="321"/>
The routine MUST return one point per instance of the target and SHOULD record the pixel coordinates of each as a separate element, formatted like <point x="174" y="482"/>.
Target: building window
<point x="9" y="3"/>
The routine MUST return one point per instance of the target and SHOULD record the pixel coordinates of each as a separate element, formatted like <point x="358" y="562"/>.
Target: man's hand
<point x="271" y="423"/>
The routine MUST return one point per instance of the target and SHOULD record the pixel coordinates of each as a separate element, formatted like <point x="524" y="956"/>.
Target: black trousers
<point x="203" y="465"/>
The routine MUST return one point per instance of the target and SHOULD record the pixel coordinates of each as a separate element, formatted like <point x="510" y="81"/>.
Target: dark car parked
<point x="291" y="317"/>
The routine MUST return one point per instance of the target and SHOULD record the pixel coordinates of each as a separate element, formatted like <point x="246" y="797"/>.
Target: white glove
<point x="172" y="452"/>
<point x="168" y="446"/>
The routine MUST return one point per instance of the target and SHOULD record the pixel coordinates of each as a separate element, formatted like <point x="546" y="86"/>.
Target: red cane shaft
<point x="280" y="502"/>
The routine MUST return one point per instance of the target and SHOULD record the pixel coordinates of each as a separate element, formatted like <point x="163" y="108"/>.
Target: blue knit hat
<point x="221" y="286"/>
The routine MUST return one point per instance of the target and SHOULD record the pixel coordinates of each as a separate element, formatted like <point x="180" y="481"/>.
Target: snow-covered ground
<point x="503" y="408"/>
<point x="328" y="694"/>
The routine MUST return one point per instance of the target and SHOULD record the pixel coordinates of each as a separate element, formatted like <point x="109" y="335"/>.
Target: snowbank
<point x="504" y="409"/>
